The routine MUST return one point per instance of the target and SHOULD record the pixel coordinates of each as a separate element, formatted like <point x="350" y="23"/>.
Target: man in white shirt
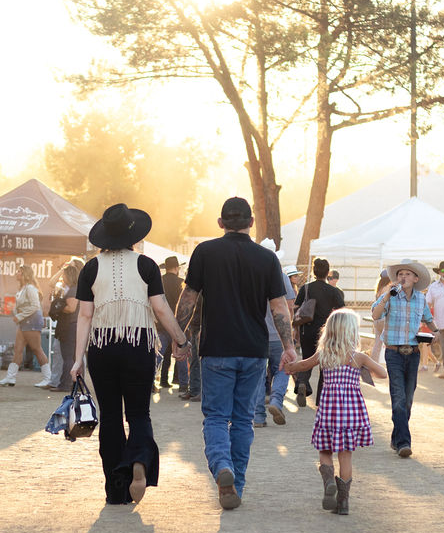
<point x="435" y="299"/>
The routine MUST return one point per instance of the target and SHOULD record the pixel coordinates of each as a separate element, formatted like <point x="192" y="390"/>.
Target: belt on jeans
<point x="404" y="349"/>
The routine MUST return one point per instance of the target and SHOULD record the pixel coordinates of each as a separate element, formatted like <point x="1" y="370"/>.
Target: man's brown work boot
<point x="228" y="497"/>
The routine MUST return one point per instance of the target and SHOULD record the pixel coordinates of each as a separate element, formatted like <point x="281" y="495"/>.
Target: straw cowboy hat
<point x="417" y="268"/>
<point x="120" y="227"/>
<point x="270" y="245"/>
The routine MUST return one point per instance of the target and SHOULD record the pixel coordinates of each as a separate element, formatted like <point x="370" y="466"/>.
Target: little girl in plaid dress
<point x="342" y="421"/>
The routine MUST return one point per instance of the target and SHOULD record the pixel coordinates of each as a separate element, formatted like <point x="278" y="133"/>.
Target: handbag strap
<point x="79" y="386"/>
<point x="306" y="292"/>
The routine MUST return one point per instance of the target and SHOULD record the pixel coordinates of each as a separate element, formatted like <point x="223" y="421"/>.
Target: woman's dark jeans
<point x="122" y="371"/>
<point x="308" y="347"/>
<point x="68" y="351"/>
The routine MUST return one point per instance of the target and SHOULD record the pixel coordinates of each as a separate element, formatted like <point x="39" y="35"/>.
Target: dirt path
<point x="48" y="484"/>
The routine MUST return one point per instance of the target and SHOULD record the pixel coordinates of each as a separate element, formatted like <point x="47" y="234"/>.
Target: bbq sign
<point x="25" y="216"/>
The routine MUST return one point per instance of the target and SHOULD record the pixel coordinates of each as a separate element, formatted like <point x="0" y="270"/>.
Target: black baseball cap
<point x="236" y="210"/>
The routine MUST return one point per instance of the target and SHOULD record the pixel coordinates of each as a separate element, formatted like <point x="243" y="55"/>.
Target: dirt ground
<point x="48" y="484"/>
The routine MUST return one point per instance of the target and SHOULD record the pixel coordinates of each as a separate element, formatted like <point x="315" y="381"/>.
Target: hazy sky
<point x="40" y="42"/>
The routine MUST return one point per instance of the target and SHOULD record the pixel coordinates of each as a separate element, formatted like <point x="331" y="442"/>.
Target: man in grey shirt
<point x="279" y="379"/>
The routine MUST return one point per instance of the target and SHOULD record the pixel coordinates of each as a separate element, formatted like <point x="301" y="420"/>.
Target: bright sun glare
<point x="202" y="4"/>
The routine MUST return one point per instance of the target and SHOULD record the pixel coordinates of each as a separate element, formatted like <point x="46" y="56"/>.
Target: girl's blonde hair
<point x="339" y="338"/>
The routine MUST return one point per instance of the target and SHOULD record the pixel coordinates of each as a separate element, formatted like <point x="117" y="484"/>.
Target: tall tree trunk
<point x="271" y="193"/>
<point x="316" y="204"/>
<point x="260" y="161"/>
<point x="262" y="176"/>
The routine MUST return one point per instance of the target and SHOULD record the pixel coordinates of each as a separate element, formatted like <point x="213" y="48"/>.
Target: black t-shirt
<point x="327" y="299"/>
<point x="67" y="320"/>
<point x="237" y="277"/>
<point x="148" y="270"/>
<point x="172" y="286"/>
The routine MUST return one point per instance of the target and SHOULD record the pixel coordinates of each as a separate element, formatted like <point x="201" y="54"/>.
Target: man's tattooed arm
<point x="185" y="306"/>
<point x="281" y="318"/>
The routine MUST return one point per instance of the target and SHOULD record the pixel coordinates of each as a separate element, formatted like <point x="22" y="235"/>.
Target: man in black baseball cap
<point x="236" y="277"/>
<point x="236" y="214"/>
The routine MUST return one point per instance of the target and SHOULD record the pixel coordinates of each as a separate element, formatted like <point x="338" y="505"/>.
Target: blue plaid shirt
<point x="403" y="317"/>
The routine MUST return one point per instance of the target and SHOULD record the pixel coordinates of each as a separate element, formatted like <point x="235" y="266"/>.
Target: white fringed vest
<point x="121" y="301"/>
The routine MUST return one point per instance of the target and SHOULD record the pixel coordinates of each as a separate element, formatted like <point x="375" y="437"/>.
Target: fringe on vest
<point x="123" y="319"/>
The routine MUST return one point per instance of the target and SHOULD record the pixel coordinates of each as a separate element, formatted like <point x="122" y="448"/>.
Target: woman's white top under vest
<point x="121" y="305"/>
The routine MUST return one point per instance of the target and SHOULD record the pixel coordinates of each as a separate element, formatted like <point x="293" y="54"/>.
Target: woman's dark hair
<point x="71" y="275"/>
<point x="321" y="268"/>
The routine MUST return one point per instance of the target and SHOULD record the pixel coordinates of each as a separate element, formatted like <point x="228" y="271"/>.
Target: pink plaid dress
<point x="342" y="421"/>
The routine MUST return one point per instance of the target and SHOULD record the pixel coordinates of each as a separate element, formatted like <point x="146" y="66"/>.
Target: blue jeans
<point x="229" y="386"/>
<point x="402" y="371"/>
<point x="278" y="386"/>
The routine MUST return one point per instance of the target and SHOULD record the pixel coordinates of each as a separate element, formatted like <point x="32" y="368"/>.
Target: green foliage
<point x="108" y="159"/>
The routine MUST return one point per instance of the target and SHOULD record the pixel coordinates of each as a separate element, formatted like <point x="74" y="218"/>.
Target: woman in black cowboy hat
<point x="119" y="292"/>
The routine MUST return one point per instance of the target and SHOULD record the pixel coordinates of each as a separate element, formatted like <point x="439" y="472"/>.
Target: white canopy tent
<point x="371" y="201"/>
<point x="413" y="229"/>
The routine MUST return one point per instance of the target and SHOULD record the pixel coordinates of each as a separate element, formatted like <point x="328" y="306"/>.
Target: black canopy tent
<point x="41" y="229"/>
<point x="35" y="219"/>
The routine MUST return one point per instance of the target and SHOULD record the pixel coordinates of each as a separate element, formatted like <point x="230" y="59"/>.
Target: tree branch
<point x="295" y="113"/>
<point x="372" y="116"/>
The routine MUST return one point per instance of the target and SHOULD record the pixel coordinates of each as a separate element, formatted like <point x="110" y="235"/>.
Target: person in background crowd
<point x="58" y="289"/>
<point x="66" y="327"/>
<point x="333" y="278"/>
<point x="403" y="315"/>
<point x="118" y="292"/>
<point x="327" y="299"/>
<point x="28" y="316"/>
<point x="172" y="285"/>
<point x="293" y="274"/>
<point x="237" y="277"/>
<point x="193" y="394"/>
<point x="378" y="325"/>
<point x="278" y="378"/>
<point x="435" y="299"/>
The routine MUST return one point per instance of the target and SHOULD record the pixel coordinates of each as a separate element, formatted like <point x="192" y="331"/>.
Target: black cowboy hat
<point x="120" y="227"/>
<point x="171" y="262"/>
